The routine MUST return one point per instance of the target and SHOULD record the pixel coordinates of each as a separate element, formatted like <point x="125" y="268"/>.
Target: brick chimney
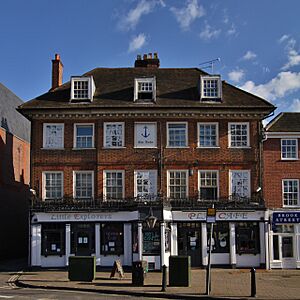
<point x="148" y="61"/>
<point x="57" y="72"/>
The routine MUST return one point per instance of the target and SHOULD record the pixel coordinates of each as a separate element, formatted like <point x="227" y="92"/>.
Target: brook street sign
<point x="286" y="217"/>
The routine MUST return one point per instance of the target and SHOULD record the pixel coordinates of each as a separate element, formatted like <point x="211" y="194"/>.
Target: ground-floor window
<point x="220" y="237"/>
<point x="83" y="238"/>
<point x="53" y="239"/>
<point x="151" y="240"/>
<point x="247" y="238"/>
<point x="112" y="238"/>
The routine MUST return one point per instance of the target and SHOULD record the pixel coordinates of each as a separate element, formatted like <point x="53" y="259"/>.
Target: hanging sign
<point x="211" y="215"/>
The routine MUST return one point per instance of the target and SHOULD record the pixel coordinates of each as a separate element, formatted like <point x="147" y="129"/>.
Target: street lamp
<point x="151" y="219"/>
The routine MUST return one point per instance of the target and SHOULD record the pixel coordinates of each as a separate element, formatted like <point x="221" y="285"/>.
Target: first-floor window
<point x="53" y="239"/>
<point x="238" y="135"/>
<point x="52" y="185"/>
<point x="178" y="184"/>
<point x="240" y="183"/>
<point x="113" y="135"/>
<point x="151" y="240"/>
<point x="247" y="238"/>
<point x="53" y="136"/>
<point x="145" y="183"/>
<point x="113" y="185"/>
<point x="112" y="238"/>
<point x="177" y="135"/>
<point x="290" y="192"/>
<point x="220" y="237"/>
<point x="207" y="134"/>
<point x="289" y="149"/>
<point x="208" y="185"/>
<point x="84" y="183"/>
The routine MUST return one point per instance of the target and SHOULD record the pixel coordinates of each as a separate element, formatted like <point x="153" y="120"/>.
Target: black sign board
<point x="117" y="267"/>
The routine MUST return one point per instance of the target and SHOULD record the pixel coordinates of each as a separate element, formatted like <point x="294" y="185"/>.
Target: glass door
<point x="287" y="252"/>
<point x="83" y="239"/>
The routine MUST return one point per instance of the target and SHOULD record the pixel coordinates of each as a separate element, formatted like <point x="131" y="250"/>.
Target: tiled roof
<point x="11" y="120"/>
<point x="175" y="88"/>
<point x="285" y="122"/>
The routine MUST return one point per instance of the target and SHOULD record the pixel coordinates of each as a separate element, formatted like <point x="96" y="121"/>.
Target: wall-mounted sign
<point x="211" y="215"/>
<point x="84" y="217"/>
<point x="286" y="217"/>
<point x="220" y="215"/>
<point x="145" y="135"/>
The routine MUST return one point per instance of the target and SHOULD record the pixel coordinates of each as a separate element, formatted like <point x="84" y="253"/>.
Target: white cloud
<point x="236" y="75"/>
<point x="185" y="16"/>
<point x="232" y="30"/>
<point x="249" y="55"/>
<point x="283" y="84"/>
<point x="292" y="55"/>
<point x="295" y="106"/>
<point x="209" y="33"/>
<point x="143" y="7"/>
<point x="283" y="38"/>
<point x="137" y="42"/>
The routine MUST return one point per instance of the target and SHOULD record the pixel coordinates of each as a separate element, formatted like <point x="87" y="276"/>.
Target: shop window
<point x="83" y="238"/>
<point x="275" y="247"/>
<point x="151" y="240"/>
<point x="53" y="239"/>
<point x="220" y="237"/>
<point x="247" y="238"/>
<point x="112" y="239"/>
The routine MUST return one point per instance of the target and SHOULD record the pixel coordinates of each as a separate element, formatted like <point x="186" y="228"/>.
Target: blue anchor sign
<point x="146" y="133"/>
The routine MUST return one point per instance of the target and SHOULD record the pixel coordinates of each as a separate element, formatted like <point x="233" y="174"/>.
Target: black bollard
<point x="253" y="283"/>
<point x="164" y="278"/>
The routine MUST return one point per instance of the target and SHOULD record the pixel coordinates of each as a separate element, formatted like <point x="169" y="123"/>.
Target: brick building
<point x="116" y="149"/>
<point x="14" y="176"/>
<point x="281" y="192"/>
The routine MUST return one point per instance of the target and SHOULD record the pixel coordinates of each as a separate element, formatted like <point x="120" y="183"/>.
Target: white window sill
<point x="290" y="159"/>
<point x="246" y="147"/>
<point x="212" y="147"/>
<point x="291" y="206"/>
<point x="52" y="148"/>
<point x="177" y="147"/>
<point x="145" y="147"/>
<point x="93" y="148"/>
<point x="112" y="148"/>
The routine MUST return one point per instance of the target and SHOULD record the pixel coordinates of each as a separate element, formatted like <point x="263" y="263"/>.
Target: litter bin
<point x="139" y="270"/>
<point x="180" y="270"/>
<point x="82" y="268"/>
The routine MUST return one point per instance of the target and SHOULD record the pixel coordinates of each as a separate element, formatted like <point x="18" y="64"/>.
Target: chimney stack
<point x="57" y="72"/>
<point x="148" y="61"/>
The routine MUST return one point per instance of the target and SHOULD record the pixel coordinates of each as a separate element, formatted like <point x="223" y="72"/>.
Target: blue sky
<point x="258" y="41"/>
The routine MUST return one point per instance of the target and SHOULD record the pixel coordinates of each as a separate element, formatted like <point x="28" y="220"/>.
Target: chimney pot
<point x="150" y="55"/>
<point x="155" y="55"/>
<point x="57" y="72"/>
<point x="145" y="56"/>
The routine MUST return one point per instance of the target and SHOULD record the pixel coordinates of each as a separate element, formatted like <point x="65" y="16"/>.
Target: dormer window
<point x="82" y="89"/>
<point x="211" y="87"/>
<point x="144" y="89"/>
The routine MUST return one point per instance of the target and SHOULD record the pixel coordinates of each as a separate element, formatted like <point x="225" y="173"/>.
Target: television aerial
<point x="210" y="64"/>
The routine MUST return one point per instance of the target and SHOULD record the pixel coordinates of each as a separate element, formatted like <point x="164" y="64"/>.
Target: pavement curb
<point x="127" y="293"/>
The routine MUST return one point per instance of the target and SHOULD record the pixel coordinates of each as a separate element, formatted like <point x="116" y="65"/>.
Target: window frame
<point x="135" y="135"/>
<point x="53" y="228"/>
<point x="217" y="134"/>
<point x="44" y="136"/>
<point x="105" y="242"/>
<point x="91" y="88"/>
<point x="298" y="192"/>
<point x="75" y="135"/>
<point x="238" y="230"/>
<point x="144" y="80"/>
<point x="219" y="86"/>
<point x="230" y="182"/>
<point x="105" y="135"/>
<point x="230" y="136"/>
<point x="136" y="185"/>
<point x="186" y="135"/>
<point x="105" y="186"/>
<point x="74" y="184"/>
<point x="187" y="182"/>
<point x="296" y="148"/>
<point x="44" y="185"/>
<point x="199" y="184"/>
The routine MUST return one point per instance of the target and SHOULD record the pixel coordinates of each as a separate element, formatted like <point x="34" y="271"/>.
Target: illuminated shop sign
<point x="286" y="217"/>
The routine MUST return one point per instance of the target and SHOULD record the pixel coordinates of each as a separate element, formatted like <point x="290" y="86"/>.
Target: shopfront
<point x="107" y="236"/>
<point x="285" y="239"/>
<point x="238" y="237"/>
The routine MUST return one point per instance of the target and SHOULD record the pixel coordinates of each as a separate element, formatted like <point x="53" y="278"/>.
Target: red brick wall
<point x="130" y="159"/>
<point x="275" y="170"/>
